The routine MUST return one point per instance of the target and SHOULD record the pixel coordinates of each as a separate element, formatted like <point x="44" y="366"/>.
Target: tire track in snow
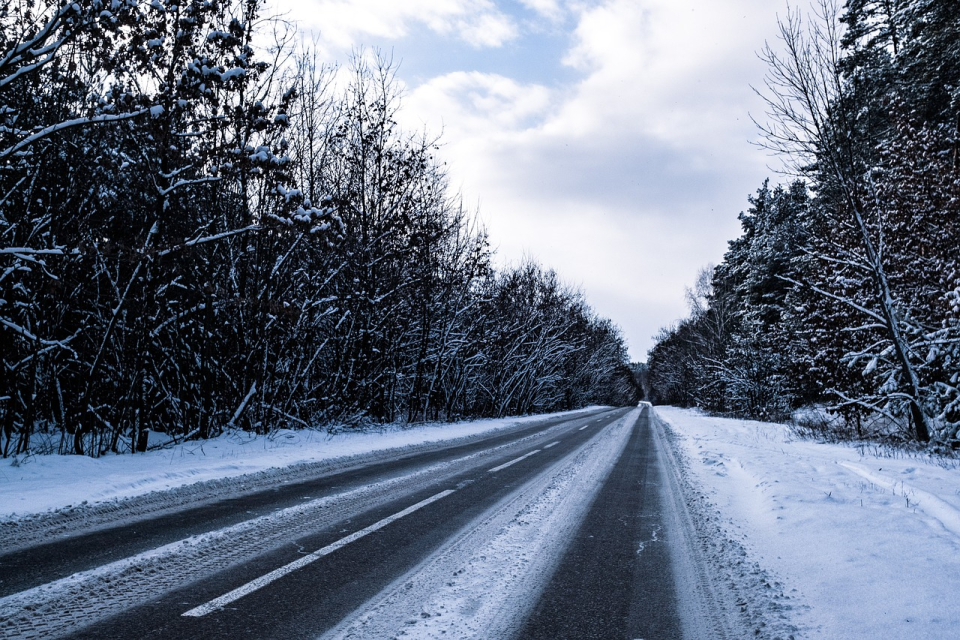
<point x="484" y="581"/>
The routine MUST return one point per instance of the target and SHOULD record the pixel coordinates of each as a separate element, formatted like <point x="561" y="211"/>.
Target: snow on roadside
<point x="42" y="483"/>
<point x="867" y="540"/>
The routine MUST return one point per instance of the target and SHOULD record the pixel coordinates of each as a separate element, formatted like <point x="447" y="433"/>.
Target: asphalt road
<point x="296" y="561"/>
<point x="64" y="556"/>
<point x="616" y="579"/>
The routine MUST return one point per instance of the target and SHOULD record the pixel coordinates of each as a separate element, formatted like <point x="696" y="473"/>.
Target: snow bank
<point x="41" y="483"/>
<point x="867" y="539"/>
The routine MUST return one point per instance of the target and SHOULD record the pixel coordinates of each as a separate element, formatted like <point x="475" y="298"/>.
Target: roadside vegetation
<point x="844" y="290"/>
<point x="203" y="228"/>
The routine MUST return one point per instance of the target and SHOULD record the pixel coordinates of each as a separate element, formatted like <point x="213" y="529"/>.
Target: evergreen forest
<point x="843" y="290"/>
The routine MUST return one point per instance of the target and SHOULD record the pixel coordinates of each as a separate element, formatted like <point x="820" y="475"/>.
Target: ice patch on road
<point x="654" y="537"/>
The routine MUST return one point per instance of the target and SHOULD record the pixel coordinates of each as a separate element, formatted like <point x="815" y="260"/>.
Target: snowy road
<point x="572" y="527"/>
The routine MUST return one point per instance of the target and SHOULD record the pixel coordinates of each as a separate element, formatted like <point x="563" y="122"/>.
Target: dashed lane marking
<point x="583" y="427"/>
<point x="276" y="574"/>
<point x="552" y="444"/>
<point x="514" y="461"/>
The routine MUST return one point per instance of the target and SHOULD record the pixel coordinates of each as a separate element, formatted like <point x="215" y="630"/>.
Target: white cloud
<point x="477" y="105"/>
<point x="343" y="24"/>
<point x="679" y="69"/>
<point x="487" y="29"/>
<point x="628" y="180"/>
<point x="547" y="8"/>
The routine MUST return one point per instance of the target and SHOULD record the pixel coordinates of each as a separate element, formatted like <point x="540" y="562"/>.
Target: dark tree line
<point x="197" y="233"/>
<point x="845" y="285"/>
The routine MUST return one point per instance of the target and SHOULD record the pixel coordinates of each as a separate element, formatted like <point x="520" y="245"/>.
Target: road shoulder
<point x="721" y="591"/>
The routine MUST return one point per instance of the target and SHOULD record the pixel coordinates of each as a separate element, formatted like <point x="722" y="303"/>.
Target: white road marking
<point x="507" y="464"/>
<point x="276" y="574"/>
<point x="552" y="444"/>
<point x="583" y="427"/>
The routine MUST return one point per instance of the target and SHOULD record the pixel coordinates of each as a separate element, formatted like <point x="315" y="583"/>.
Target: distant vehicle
<point x="644" y="403"/>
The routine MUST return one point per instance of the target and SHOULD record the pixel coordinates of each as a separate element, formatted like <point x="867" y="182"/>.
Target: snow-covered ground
<point x="865" y="540"/>
<point x="41" y="483"/>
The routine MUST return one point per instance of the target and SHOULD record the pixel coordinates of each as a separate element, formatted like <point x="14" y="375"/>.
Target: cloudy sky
<point x="609" y="139"/>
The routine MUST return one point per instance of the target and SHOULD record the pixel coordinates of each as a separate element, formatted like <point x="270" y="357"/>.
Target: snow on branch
<point x="69" y="124"/>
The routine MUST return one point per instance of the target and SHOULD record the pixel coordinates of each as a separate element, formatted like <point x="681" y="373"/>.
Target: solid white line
<point x="507" y="464"/>
<point x="276" y="574"/>
<point x="552" y="444"/>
